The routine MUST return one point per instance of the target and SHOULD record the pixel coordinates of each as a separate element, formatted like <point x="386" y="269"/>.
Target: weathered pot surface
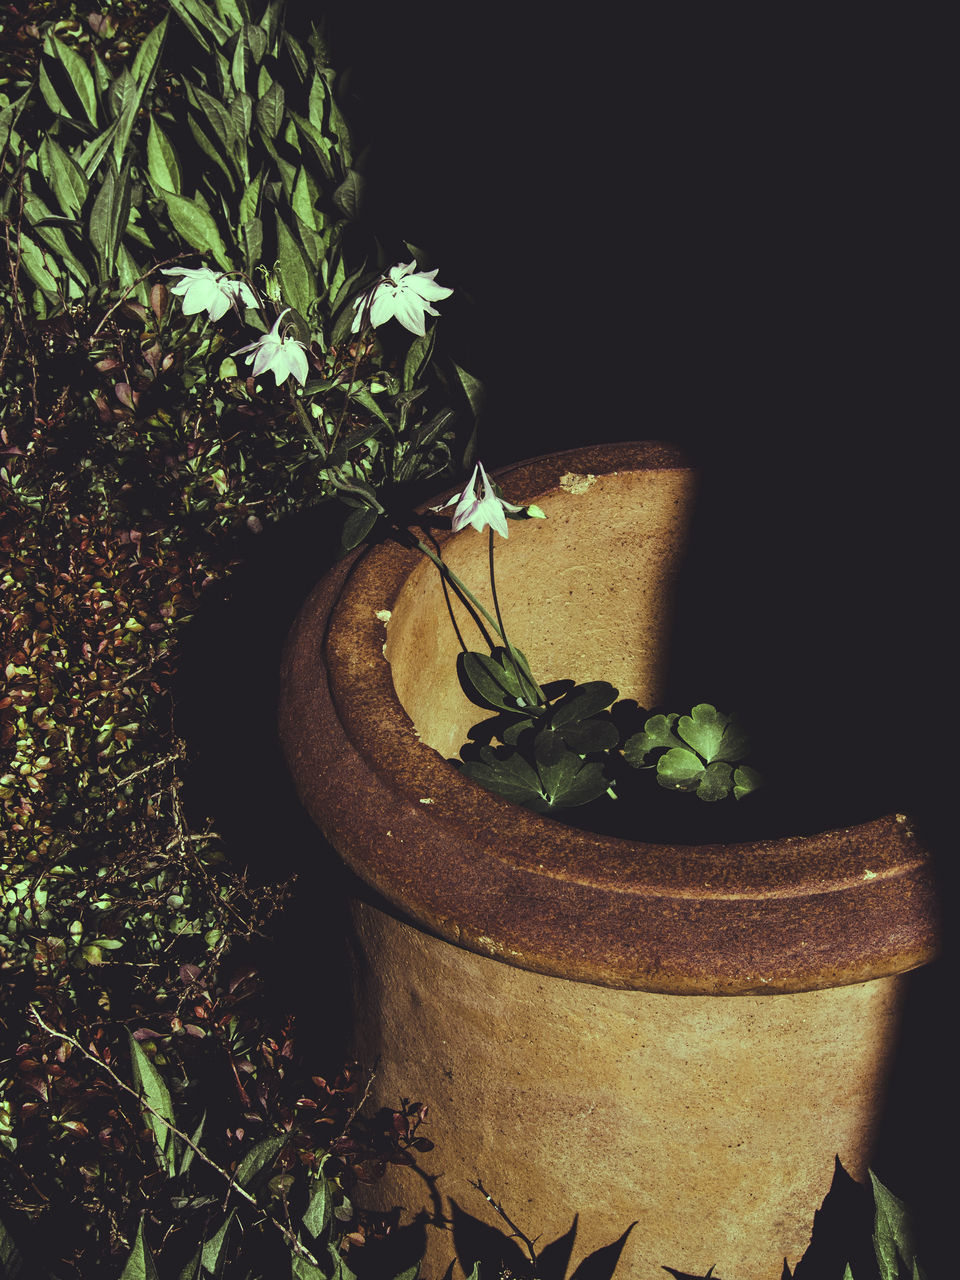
<point x="369" y="684"/>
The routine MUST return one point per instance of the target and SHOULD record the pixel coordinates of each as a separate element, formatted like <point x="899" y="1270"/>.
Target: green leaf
<point x="745" y="781"/>
<point x="32" y="257"/>
<point x="565" y="779"/>
<point x="322" y="146"/>
<point x="217" y="115"/>
<point x="257" y="41"/>
<point x="298" y="276"/>
<point x="140" y="1264"/>
<point x="213" y="1256"/>
<point x="472" y="387"/>
<point x="305" y="194"/>
<point x="703" y="730"/>
<point x="194" y="1268"/>
<point x="12" y="1266"/>
<point x="348" y="197"/>
<point x="657" y="733"/>
<point x="208" y="148"/>
<point x="258" y="1158"/>
<point x="679" y="769"/>
<point x="590" y="735"/>
<point x="297" y="56"/>
<point x="302" y="1269"/>
<point x="196" y="227"/>
<point x="251" y="237"/>
<point x="150" y="1083"/>
<point x="148" y="55"/>
<point x="356" y="527"/>
<point x="162" y="165"/>
<point x="714" y="736"/>
<point x="319" y="1211"/>
<point x="95" y="150"/>
<point x="66" y="178"/>
<point x="50" y="95"/>
<point x="892" y="1232"/>
<point x="418" y="356"/>
<point x="583" y="701"/>
<point x="493" y="680"/>
<point x="511" y="777"/>
<point x="250" y="199"/>
<point x="197" y="18"/>
<point x="716" y="782"/>
<point x="47" y="227"/>
<point x="847" y="1273"/>
<point x="186" y="1159"/>
<point x="269" y="111"/>
<point x="79" y="73"/>
<point x="100" y="224"/>
<point x="241" y="117"/>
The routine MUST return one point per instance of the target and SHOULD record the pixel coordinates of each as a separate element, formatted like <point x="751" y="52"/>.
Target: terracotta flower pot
<point x="678" y="1039"/>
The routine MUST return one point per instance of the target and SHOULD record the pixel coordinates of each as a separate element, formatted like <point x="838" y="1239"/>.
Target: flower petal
<point x="297" y="361"/>
<point x="408" y="309"/>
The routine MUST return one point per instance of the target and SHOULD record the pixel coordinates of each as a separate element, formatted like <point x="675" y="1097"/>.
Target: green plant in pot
<point x="703" y="1023"/>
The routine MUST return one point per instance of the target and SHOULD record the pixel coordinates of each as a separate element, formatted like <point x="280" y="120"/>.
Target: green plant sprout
<point x="554" y="747"/>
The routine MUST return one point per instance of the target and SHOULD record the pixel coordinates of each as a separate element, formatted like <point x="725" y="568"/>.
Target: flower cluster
<point x="402" y="294"/>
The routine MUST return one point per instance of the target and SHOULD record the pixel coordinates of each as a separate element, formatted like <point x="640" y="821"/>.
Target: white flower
<point x="402" y="294"/>
<point x="280" y="355"/>
<point x="479" y="509"/>
<point x="205" y="290"/>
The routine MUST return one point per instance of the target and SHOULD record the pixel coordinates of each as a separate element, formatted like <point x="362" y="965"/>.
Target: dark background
<point x="721" y="230"/>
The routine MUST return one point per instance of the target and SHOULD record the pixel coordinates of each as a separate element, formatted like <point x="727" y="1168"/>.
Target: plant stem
<point x="531" y="684"/>
<point x="361" y="335"/>
<point x="465" y="591"/>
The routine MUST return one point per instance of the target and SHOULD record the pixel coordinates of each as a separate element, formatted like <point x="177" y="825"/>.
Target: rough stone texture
<point x="710" y="1123"/>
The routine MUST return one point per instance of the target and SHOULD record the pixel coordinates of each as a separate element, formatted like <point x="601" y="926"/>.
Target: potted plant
<point x="673" y="1039"/>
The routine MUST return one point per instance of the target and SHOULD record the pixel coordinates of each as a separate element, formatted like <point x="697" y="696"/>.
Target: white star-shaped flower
<point x="479" y="507"/>
<point x="281" y="356"/>
<point x="203" y="289"/>
<point x="402" y="294"/>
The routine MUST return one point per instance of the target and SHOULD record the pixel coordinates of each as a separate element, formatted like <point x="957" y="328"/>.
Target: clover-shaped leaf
<point x="657" y="734"/>
<point x="679" y="769"/>
<point x="716" y="783"/>
<point x="712" y="735"/>
<point x="745" y="780"/>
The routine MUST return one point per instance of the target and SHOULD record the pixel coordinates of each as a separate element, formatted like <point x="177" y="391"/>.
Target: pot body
<point x="704" y="1128"/>
<point x="673" y="1042"/>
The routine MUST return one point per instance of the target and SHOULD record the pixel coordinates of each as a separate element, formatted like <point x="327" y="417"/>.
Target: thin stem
<point x="459" y="585"/>
<point x="307" y="424"/>
<point x="465" y="591"/>
<point x="361" y="336"/>
<point x="531" y="684"/>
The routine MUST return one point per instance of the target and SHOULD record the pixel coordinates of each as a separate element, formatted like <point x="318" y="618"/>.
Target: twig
<point x="233" y="1185"/>
<point x="514" y="1229"/>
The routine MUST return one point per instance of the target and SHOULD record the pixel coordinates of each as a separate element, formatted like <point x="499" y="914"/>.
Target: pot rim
<point x="797" y="913"/>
